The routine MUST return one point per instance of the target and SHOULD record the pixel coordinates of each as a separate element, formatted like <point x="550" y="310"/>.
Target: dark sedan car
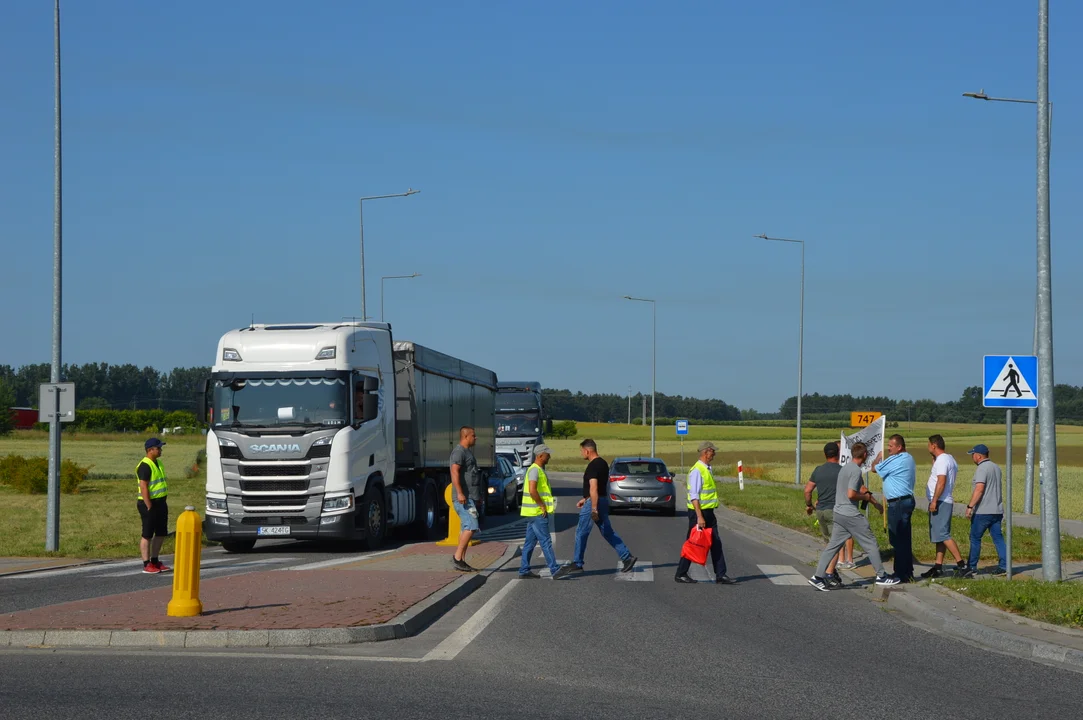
<point x="641" y="483"/>
<point x="503" y="490"/>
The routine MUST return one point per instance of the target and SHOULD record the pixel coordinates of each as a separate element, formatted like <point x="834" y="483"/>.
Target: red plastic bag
<point x="697" y="545"/>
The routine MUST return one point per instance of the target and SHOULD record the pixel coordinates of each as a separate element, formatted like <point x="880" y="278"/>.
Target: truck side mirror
<point x="370" y="406"/>
<point x="549" y="426"/>
<point x="201" y="401"/>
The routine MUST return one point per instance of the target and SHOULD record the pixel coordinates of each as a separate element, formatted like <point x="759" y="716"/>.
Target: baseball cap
<point x="153" y="443"/>
<point x="539" y="449"/>
<point x="980" y="449"/>
<point x="707" y="445"/>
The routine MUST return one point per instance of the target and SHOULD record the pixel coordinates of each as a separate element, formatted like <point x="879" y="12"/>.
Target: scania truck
<point x="519" y="418"/>
<point x="335" y="431"/>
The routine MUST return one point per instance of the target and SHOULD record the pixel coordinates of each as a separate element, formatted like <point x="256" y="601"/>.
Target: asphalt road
<point x="593" y="646"/>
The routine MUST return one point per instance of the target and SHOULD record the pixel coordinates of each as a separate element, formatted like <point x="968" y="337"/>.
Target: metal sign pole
<point x="1008" y="502"/>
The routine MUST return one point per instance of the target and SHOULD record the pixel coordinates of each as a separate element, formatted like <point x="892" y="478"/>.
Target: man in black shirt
<point x="594" y="508"/>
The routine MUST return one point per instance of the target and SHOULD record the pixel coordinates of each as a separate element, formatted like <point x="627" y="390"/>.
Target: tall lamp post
<point x="800" y="347"/>
<point x="654" y="355"/>
<point x="361" y="216"/>
<point x="391" y="277"/>
<point x="1032" y="414"/>
<point x="52" y="516"/>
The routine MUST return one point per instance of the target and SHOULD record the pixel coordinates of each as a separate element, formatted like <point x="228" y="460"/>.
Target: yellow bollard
<point x="188" y="547"/>
<point x="454" y="526"/>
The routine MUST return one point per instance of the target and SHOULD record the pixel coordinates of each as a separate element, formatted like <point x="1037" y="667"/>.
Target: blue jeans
<point x="582" y="531"/>
<point x="537" y="533"/>
<point x="978" y="525"/>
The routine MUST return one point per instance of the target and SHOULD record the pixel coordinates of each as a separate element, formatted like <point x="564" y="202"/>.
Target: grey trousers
<point x="848" y="526"/>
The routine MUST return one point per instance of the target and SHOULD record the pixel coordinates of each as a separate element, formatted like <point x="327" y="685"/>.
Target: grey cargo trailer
<point x="435" y="395"/>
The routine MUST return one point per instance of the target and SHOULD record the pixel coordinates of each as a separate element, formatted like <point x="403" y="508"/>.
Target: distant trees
<point x="104" y="386"/>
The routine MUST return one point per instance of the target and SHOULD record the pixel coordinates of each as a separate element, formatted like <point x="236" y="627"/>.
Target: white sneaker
<point x="887" y="580"/>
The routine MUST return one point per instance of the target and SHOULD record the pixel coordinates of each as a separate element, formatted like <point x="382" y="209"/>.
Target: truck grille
<point x="286" y="520"/>
<point x="274" y="485"/>
<point x="247" y="470"/>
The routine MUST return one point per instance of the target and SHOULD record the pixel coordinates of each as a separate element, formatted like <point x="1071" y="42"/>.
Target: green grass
<point x="1057" y="603"/>
<point x="109" y="456"/>
<point x="786" y="506"/>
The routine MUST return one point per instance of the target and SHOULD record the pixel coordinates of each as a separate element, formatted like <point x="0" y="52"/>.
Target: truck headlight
<point x="216" y="504"/>
<point x="338" y="503"/>
<point x="491" y="490"/>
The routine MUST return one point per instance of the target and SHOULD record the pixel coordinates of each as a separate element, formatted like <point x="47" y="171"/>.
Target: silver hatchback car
<point x="641" y="483"/>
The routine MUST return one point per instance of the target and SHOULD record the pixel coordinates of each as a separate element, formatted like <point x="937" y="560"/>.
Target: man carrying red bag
<point x="702" y="500"/>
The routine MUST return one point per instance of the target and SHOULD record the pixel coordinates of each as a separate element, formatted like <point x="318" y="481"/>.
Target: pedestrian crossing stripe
<point x="783" y="575"/>
<point x="1010" y="383"/>
<point x="642" y="572"/>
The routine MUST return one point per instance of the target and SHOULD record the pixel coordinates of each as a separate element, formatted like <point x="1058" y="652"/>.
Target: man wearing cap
<point x="702" y="500"/>
<point x="153" y="509"/>
<point x="985" y="510"/>
<point x="538" y="504"/>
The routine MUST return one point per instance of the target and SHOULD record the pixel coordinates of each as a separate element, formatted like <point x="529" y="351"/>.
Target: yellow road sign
<point x="864" y="419"/>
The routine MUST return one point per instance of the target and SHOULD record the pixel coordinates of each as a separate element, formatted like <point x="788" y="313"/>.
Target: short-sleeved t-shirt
<point x="142" y="471"/>
<point x="597" y="469"/>
<point x="826" y="478"/>
<point x="943" y="465"/>
<point x="992" y="502"/>
<point x="468" y="471"/>
<point x="849" y="479"/>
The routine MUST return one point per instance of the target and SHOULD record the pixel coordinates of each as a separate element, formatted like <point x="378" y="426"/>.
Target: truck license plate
<point x="273" y="530"/>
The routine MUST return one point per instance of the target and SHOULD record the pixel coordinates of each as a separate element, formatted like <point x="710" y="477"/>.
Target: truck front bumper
<point x="330" y="527"/>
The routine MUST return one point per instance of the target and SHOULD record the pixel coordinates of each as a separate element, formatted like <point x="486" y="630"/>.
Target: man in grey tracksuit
<point x="849" y="522"/>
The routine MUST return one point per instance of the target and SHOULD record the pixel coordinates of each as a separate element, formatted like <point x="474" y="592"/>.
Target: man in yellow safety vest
<point x="702" y="500"/>
<point x="152" y="506"/>
<point x="538" y="504"/>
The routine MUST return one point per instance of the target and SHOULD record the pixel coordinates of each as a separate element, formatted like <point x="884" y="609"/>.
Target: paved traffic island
<point x="372" y="598"/>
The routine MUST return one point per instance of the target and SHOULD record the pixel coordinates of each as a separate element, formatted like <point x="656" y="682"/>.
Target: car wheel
<point x="238" y="546"/>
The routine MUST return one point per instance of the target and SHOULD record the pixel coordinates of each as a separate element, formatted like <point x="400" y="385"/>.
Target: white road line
<point x="204" y="570"/>
<point x="337" y="561"/>
<point x="68" y="571"/>
<point x="700" y="573"/>
<point x="138" y="569"/>
<point x="642" y="572"/>
<point x="783" y="575"/>
<point x="457" y="641"/>
<point x="546" y="574"/>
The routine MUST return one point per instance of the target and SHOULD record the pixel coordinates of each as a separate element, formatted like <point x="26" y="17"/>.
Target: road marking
<point x="642" y="572"/>
<point x="68" y="571"/>
<point x="213" y="561"/>
<point x="700" y="573"/>
<point x="138" y="569"/>
<point x="336" y="561"/>
<point x="547" y="574"/>
<point x="783" y="575"/>
<point x="457" y="641"/>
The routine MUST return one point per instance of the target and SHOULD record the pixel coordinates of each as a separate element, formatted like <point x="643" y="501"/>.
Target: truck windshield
<point x="516" y="401"/>
<point x="517" y="424"/>
<point x="269" y="402"/>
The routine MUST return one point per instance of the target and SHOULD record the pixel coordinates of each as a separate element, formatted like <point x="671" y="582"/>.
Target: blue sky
<point x="568" y="154"/>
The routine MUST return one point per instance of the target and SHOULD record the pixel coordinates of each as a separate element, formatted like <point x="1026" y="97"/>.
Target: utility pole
<point x="52" y="517"/>
<point x="629" y="404"/>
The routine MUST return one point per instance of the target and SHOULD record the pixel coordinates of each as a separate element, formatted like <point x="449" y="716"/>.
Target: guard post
<point x="186" y="555"/>
<point x="454" y="526"/>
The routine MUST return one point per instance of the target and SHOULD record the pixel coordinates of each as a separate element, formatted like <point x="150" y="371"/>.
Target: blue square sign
<point x="682" y="427"/>
<point x="1010" y="381"/>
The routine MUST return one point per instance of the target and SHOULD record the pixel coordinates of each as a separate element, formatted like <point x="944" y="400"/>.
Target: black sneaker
<point x="461" y="566"/>
<point x="834" y="580"/>
<point x="819" y="583"/>
<point x="562" y="571"/>
<point x="724" y="580"/>
<point x="995" y="572"/>
<point x="685" y="580"/>
<point x="573" y="568"/>
<point x="529" y="576"/>
<point x="629" y="564"/>
<point x="934" y="572"/>
<point x="886" y="579"/>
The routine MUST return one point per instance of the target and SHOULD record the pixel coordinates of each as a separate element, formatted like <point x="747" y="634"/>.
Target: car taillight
<point x="613" y="497"/>
<point x="617" y="478"/>
<point x="664" y="478"/>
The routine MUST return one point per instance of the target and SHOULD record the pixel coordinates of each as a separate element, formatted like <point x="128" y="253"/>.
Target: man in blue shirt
<point x="899" y="472"/>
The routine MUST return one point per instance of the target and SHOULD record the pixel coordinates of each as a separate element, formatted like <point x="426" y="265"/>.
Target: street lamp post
<point x="361" y="217"/>
<point x="654" y="355"/>
<point x="391" y="277"/>
<point x="52" y="515"/>
<point x="800" y="347"/>
<point x="1032" y="414"/>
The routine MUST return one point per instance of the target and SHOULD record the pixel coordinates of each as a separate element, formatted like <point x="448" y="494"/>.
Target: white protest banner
<point x="872" y="436"/>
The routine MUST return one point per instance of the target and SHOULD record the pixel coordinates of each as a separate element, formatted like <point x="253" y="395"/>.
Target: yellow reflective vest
<point x="708" y="494"/>
<point x="157" y="485"/>
<point x="531" y="508"/>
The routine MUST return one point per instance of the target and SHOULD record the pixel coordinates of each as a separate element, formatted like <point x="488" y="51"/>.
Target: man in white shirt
<point x="939" y="491"/>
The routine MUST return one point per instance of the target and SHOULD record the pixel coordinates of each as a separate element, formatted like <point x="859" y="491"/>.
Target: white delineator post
<point x="740" y="475"/>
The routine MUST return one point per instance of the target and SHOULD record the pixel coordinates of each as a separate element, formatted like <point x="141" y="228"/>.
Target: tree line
<point x="101" y="386"/>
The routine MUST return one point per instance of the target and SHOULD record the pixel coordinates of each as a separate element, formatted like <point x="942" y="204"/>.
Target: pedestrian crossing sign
<point x="1010" y="381"/>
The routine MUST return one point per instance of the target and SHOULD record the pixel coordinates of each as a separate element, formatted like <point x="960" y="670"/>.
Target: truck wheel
<point x="373" y="518"/>
<point x="427" y="522"/>
<point x="238" y="546"/>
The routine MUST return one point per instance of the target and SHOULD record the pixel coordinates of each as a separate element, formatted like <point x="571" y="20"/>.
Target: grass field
<point x="768" y="452"/>
<point x="1058" y="603"/>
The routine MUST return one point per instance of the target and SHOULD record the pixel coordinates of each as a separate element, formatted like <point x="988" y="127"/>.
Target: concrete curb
<point x="410" y="622"/>
<point x="984" y="635"/>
